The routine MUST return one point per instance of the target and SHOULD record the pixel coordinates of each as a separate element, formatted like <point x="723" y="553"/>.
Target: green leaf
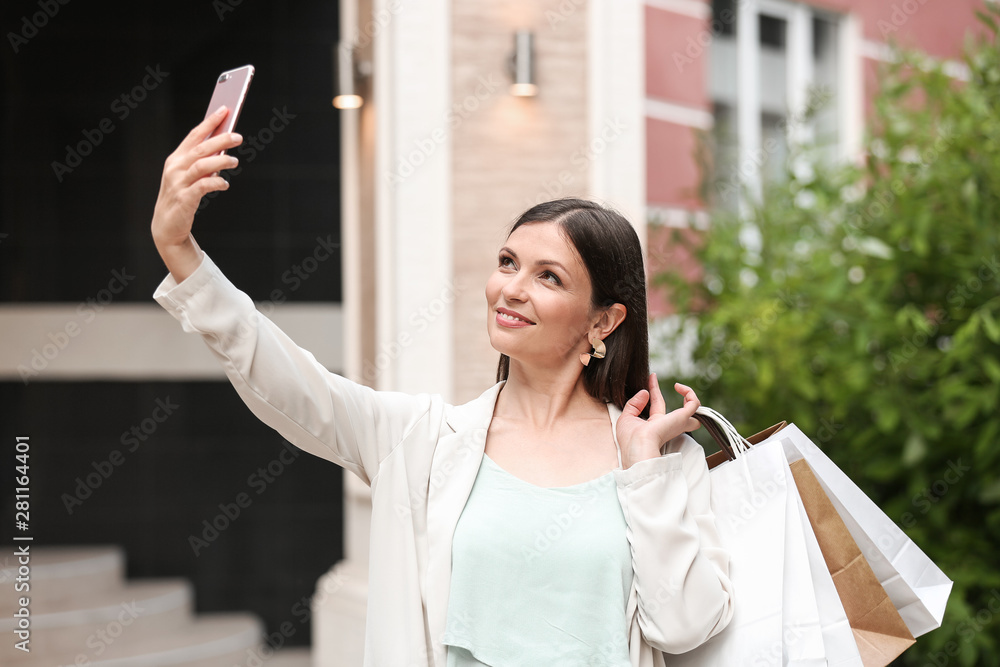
<point x="914" y="450"/>
<point x="990" y="326"/>
<point x="990" y="495"/>
<point x="888" y="418"/>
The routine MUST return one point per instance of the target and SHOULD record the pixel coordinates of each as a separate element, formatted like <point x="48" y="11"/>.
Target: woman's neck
<point x="544" y="399"/>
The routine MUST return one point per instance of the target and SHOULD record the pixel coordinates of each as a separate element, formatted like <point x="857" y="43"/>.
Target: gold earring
<point x="598" y="353"/>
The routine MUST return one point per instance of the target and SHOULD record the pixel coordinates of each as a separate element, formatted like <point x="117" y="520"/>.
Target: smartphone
<point x="230" y="89"/>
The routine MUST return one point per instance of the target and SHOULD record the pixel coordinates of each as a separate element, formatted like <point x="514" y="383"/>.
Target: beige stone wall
<point x="508" y="152"/>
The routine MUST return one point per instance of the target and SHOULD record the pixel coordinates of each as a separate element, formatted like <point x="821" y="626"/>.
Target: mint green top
<point x="540" y="575"/>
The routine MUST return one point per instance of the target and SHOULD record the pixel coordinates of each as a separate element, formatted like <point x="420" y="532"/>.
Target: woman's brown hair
<point x="610" y="250"/>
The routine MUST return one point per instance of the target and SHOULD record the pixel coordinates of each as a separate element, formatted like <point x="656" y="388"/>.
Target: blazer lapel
<point x="456" y="462"/>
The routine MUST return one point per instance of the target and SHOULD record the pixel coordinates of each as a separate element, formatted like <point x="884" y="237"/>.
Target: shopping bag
<point x="838" y="637"/>
<point x="749" y="497"/>
<point x="879" y="631"/>
<point x="802" y="635"/>
<point x="918" y="588"/>
<point x="775" y="620"/>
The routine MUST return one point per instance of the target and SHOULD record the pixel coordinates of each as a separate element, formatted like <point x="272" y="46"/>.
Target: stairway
<point x="84" y="612"/>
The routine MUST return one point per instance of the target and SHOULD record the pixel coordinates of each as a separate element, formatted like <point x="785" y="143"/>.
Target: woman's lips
<point x="504" y="321"/>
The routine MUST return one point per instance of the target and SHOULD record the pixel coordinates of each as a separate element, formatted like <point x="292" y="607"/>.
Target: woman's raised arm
<point x="284" y="385"/>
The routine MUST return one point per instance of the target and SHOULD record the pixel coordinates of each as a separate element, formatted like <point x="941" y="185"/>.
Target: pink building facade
<point x="742" y="71"/>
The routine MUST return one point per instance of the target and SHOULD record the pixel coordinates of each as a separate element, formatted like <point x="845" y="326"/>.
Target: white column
<point x="411" y="96"/>
<point x="340" y="600"/>
<point x="748" y="95"/>
<point x="413" y="197"/>
<point x="616" y="115"/>
<point x="851" y="88"/>
<point x="800" y="73"/>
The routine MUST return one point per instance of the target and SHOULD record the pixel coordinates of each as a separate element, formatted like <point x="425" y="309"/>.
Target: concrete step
<point x="84" y="612"/>
<point x="125" y="614"/>
<point x="210" y="640"/>
<point x="59" y="572"/>
<point x="288" y="657"/>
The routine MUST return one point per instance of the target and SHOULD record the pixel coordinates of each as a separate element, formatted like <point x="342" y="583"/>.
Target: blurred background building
<point x="366" y="233"/>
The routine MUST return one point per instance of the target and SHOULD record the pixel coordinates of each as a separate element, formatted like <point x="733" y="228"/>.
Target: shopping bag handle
<point x="726" y="435"/>
<point x="722" y="431"/>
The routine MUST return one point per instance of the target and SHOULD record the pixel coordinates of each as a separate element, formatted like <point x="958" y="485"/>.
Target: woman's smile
<point x="509" y="318"/>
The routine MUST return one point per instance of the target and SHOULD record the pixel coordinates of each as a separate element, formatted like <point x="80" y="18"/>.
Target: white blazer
<point x="420" y="456"/>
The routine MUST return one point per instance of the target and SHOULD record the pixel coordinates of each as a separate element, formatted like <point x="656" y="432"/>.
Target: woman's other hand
<point x="641" y="439"/>
<point x="189" y="173"/>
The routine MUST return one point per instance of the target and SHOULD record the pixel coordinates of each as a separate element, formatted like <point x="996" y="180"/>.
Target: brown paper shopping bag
<point x="878" y="628"/>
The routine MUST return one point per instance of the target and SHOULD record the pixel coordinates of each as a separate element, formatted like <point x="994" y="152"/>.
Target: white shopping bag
<point x="839" y="644"/>
<point x="802" y="633"/>
<point x="749" y="501"/>
<point x="776" y="620"/>
<point x="917" y="587"/>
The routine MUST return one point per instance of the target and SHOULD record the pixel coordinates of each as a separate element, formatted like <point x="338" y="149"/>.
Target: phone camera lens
<point x="224" y="77"/>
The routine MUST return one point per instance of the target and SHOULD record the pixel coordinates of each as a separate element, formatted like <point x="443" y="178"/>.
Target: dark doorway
<point x="94" y="96"/>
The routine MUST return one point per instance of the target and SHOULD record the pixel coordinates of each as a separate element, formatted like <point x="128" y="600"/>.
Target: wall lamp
<point x="348" y="71"/>
<point x="522" y="65"/>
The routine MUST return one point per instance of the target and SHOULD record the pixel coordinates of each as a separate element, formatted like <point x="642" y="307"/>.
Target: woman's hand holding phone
<point x="189" y="173"/>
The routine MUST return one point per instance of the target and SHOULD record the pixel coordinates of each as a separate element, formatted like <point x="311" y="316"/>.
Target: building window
<point x="776" y="73"/>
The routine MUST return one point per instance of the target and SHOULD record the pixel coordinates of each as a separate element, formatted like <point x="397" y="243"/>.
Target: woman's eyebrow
<point x="548" y="262"/>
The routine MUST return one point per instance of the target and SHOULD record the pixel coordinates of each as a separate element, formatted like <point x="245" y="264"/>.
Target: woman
<point x="562" y="517"/>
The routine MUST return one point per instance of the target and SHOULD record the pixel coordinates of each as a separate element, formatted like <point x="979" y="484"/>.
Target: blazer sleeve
<point x="284" y="385"/>
<point x="681" y="570"/>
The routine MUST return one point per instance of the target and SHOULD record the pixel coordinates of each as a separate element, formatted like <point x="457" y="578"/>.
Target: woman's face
<point x="541" y="277"/>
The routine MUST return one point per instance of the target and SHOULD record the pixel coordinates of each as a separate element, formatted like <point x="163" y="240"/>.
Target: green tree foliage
<point x="862" y="302"/>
